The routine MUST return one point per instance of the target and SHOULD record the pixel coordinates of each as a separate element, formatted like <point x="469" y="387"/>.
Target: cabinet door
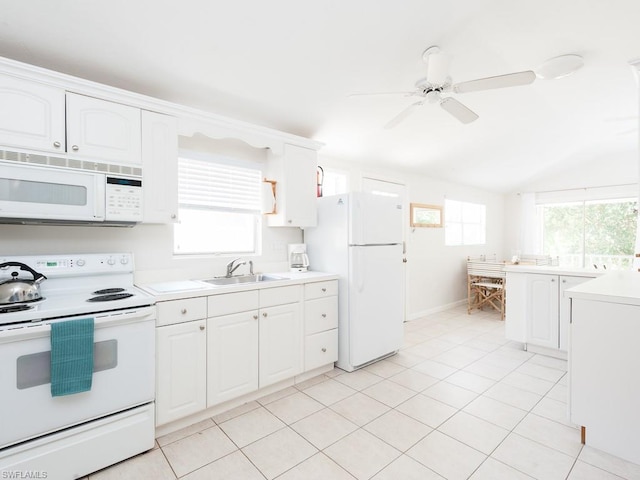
<point x="296" y="188"/>
<point x="320" y="349"/>
<point x="232" y="360"/>
<point x="542" y="310"/>
<point x="31" y="115"/>
<point x="160" y="167"/>
<point x="181" y="356"/>
<point x="565" y="307"/>
<point x="280" y="343"/>
<point x="101" y="130"/>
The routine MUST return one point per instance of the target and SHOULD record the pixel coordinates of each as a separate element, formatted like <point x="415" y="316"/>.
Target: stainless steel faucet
<point x="232" y="266"/>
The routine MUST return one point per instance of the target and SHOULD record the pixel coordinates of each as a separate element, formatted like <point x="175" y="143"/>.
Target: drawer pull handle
<point x="324" y="350"/>
<point x="201" y="327"/>
<point x="57" y="144"/>
<point x="255" y="317"/>
<point x="183" y="311"/>
<point x="264" y="314"/>
<point x="324" y="289"/>
<point x="324" y="315"/>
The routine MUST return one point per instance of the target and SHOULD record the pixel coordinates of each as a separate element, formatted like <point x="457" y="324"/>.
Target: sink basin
<point x="260" y="277"/>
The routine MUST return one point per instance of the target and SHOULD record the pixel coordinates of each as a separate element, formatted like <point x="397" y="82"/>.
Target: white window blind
<point x="204" y="184"/>
<point x="219" y="206"/>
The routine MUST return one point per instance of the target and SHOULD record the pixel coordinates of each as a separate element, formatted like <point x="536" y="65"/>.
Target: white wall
<point x="436" y="274"/>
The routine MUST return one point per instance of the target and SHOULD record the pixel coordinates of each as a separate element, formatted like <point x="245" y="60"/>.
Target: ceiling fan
<point x="431" y="88"/>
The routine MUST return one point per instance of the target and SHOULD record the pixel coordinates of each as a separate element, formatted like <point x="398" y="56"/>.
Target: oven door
<point x="45" y="193"/>
<point x="124" y="373"/>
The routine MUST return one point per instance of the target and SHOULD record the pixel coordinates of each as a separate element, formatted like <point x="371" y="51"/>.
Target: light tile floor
<point x="457" y="402"/>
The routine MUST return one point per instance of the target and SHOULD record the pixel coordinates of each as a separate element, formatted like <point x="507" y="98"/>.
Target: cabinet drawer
<point x="178" y="311"/>
<point x="320" y="289"/>
<point x="320" y="349"/>
<point x="228" y="303"/>
<point x="320" y="314"/>
<point x="279" y="295"/>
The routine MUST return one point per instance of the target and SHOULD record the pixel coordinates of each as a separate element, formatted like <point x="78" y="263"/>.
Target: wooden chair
<point x="485" y="284"/>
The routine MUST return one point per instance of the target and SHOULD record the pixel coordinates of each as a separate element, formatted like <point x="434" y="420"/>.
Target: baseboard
<point x="440" y="308"/>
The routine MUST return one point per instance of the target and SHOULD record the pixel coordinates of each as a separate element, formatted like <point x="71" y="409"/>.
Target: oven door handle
<point x="102" y="320"/>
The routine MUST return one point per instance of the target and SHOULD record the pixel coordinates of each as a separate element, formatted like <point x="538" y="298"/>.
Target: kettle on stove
<point x="18" y="289"/>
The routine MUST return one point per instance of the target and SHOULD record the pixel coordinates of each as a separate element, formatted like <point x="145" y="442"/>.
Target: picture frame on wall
<point x="423" y="215"/>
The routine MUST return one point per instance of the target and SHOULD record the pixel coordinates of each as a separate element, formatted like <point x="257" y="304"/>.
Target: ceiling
<point x="291" y="65"/>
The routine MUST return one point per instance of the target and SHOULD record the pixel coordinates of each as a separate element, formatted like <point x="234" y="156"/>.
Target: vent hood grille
<point x="64" y="162"/>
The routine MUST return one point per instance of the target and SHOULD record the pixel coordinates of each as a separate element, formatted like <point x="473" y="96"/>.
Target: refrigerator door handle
<point x="357" y="261"/>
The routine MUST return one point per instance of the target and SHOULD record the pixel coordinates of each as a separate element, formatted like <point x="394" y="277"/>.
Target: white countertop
<point x="178" y="289"/>
<point x="555" y="270"/>
<point x="622" y="286"/>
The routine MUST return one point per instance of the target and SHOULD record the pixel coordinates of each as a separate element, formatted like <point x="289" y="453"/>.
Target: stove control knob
<point x="124" y="260"/>
<point x="111" y="261"/>
<point x="80" y="262"/>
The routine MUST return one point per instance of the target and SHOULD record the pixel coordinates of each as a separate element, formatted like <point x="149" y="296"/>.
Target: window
<point x="589" y="232"/>
<point x="334" y="182"/>
<point x="219" y="206"/>
<point x="465" y="223"/>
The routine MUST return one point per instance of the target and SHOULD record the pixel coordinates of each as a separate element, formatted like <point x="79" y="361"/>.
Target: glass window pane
<point x="563" y="232"/>
<point x="609" y="233"/>
<point x="209" y="231"/>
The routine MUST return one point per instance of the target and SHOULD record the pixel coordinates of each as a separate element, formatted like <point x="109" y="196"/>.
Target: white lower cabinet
<point x="280" y="343"/>
<point x="542" y="310"/>
<point x="320" y="324"/>
<point x="232" y="356"/>
<point x="321" y="349"/>
<point x="537" y="312"/>
<point x="249" y="340"/>
<point x="181" y="351"/>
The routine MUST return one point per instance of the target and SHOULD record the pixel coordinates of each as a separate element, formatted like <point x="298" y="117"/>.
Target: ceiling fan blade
<point x="458" y="110"/>
<point x="402" y="115"/>
<point x="500" y="81"/>
<point x="406" y="94"/>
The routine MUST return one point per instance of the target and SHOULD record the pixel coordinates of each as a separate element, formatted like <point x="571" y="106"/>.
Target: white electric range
<point x="74" y="435"/>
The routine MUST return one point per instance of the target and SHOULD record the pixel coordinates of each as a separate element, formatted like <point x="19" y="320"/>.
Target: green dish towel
<point x="71" y="356"/>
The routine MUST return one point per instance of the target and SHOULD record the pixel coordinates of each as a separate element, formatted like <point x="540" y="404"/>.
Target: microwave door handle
<point x="100" y="199"/>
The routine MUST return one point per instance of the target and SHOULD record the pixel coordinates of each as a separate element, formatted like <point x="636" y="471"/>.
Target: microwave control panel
<point x="124" y="199"/>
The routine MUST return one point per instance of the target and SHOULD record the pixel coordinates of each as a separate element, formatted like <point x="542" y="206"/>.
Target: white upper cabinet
<point x="31" y="115"/>
<point x="39" y="117"/>
<point x="101" y="130"/>
<point x="160" y="167"/>
<point x="295" y="172"/>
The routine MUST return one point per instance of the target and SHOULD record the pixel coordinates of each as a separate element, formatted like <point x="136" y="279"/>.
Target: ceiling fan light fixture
<point x="437" y="65"/>
<point x="559" y="67"/>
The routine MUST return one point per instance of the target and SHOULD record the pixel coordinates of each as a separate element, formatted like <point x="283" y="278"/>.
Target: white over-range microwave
<point x="37" y="189"/>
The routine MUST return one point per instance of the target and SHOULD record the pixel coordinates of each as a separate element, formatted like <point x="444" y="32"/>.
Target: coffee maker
<point x="298" y="259"/>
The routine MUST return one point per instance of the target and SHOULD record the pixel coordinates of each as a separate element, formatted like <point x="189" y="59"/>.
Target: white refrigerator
<point x="359" y="237"/>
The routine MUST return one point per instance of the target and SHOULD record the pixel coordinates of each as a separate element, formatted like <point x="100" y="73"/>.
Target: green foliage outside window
<point x="588" y="233"/>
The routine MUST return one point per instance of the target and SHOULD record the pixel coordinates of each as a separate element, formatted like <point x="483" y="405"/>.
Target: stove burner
<point x="108" y="290"/>
<point x="14" y="308"/>
<point x="112" y="296"/>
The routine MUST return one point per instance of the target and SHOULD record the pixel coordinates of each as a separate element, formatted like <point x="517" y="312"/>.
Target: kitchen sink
<point x="260" y="277"/>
